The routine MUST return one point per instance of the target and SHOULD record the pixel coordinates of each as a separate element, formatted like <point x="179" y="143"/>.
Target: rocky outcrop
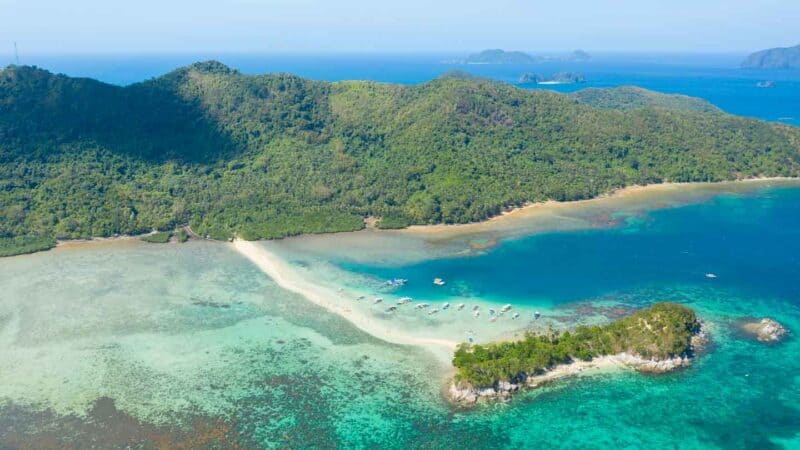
<point x="765" y="330"/>
<point x="467" y="395"/>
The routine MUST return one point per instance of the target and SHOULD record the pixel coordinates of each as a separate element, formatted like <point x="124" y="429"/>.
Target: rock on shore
<point x="503" y="390"/>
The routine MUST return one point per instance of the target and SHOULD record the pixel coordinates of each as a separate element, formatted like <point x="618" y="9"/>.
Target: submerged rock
<point x="765" y="330"/>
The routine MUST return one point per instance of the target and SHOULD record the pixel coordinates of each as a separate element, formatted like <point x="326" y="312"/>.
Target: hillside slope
<point x="774" y="58"/>
<point x="274" y="155"/>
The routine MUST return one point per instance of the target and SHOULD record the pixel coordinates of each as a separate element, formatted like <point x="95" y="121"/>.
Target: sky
<point x="331" y="26"/>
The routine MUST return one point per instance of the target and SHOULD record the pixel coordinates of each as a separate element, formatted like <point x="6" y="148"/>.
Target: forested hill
<point x="274" y="155"/>
<point x="631" y="97"/>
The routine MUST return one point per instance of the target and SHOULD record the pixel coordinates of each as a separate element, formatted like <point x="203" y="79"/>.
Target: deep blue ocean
<point x="716" y="77"/>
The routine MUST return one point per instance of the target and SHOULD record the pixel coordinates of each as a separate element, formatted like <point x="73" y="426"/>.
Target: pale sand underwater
<point x="287" y="278"/>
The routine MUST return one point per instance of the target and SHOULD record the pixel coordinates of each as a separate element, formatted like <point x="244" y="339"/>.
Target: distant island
<point x="774" y="58"/>
<point x="223" y="154"/>
<point x="498" y="56"/>
<point x="658" y="339"/>
<point x="559" y="78"/>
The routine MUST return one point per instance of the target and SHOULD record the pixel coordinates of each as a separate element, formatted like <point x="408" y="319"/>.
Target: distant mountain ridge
<point x="774" y="58"/>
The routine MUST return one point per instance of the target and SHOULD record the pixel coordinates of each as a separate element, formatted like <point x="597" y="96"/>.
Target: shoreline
<point x="451" y="230"/>
<point x="283" y="275"/>
<point x="468" y="396"/>
<point x="553" y="206"/>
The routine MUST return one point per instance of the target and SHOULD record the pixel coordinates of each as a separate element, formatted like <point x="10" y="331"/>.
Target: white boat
<point x="433" y="311"/>
<point x="377" y="300"/>
<point x="477" y="313"/>
<point x="404" y="300"/>
<point x="505" y="308"/>
<point x="446" y="305"/>
<point x="515" y="315"/>
<point x="711" y="275"/>
<point x="460" y="306"/>
<point x="391" y="309"/>
<point x="422" y="306"/>
<point x="492" y="311"/>
<point x="536" y="315"/>
<point x="476" y="307"/>
<point x="493" y="319"/>
<point x="361" y="297"/>
<point x="438" y="281"/>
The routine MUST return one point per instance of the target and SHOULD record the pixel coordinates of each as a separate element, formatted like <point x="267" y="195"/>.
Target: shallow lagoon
<point x="195" y="345"/>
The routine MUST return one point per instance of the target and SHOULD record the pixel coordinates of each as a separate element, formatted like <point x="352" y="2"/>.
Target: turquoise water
<point x="191" y="340"/>
<point x="716" y="78"/>
<point x="741" y="395"/>
<point x="750" y="241"/>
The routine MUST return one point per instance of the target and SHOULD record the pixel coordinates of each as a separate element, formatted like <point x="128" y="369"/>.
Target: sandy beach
<point x="661" y="192"/>
<point x="286" y="277"/>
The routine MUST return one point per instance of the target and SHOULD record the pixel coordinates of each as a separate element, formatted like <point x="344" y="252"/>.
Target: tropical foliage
<point x="661" y="331"/>
<point x="276" y="155"/>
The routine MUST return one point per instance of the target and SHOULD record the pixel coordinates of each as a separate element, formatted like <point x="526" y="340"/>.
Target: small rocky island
<point x="559" y="78"/>
<point x="658" y="339"/>
<point x="765" y="330"/>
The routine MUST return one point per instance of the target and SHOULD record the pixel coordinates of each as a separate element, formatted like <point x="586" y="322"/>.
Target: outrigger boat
<point x="391" y="309"/>
<point x="460" y="306"/>
<point x="446" y="305"/>
<point x="438" y="281"/>
<point x="433" y="311"/>
<point x="505" y="308"/>
<point x="404" y="300"/>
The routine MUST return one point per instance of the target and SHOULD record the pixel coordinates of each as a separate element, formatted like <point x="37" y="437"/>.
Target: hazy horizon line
<point x="369" y="52"/>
